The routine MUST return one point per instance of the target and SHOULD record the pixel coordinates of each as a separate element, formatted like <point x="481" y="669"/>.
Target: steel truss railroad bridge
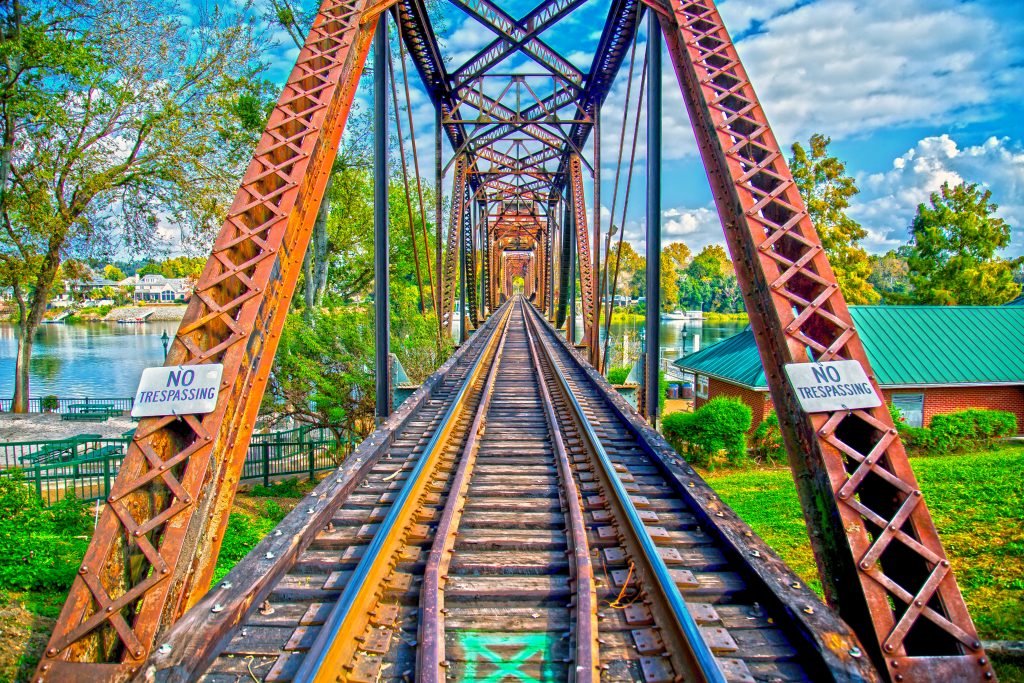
<point x="514" y="519"/>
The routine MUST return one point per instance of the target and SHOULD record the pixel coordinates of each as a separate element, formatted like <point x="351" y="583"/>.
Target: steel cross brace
<point x="449" y="280"/>
<point x="579" y="205"/>
<point x="155" y="546"/>
<point x="469" y="262"/>
<point x="879" y="555"/>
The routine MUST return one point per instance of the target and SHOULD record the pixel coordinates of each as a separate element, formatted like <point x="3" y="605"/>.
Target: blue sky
<point x="912" y="92"/>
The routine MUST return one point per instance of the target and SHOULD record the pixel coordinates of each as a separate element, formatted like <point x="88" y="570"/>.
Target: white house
<point x="157" y="288"/>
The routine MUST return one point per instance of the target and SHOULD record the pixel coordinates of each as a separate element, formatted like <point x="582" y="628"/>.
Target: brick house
<point x="928" y="360"/>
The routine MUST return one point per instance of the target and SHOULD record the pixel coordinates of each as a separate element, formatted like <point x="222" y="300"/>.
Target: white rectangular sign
<point x="178" y="390"/>
<point x="833" y="385"/>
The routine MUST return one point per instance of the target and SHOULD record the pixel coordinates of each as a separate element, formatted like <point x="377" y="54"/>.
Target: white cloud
<point x="889" y="199"/>
<point x="845" y="68"/>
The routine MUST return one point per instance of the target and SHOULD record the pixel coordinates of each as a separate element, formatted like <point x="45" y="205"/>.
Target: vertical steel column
<point x="481" y="219"/>
<point x="570" y="330"/>
<point x="595" y="335"/>
<point x="463" y="320"/>
<point x="552" y="249"/>
<point x="438" y="217"/>
<point x="652" y="317"/>
<point x="382" y="327"/>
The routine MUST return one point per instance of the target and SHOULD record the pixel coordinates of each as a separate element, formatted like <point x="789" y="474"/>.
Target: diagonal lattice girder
<point x="583" y="246"/>
<point x="878" y="552"/>
<point x="459" y="212"/>
<point x="155" y="545"/>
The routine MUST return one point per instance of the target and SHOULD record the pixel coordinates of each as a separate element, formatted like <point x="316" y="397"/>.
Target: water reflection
<point x="677" y="338"/>
<point x="85" y="358"/>
<point x="105" y="360"/>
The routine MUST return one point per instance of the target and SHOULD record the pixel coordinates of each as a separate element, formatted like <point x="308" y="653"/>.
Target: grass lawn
<point x="28" y="617"/>
<point x="977" y="502"/>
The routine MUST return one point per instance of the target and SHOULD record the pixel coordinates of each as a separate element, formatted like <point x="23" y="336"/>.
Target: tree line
<point x="952" y="256"/>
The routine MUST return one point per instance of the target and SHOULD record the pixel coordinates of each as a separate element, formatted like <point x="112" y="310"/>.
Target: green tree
<point x="826" y="190"/>
<point x="890" y="275"/>
<point x="112" y="272"/>
<point x="709" y="282"/>
<point x="323" y="372"/>
<point x="669" y="282"/>
<point x="111" y="114"/>
<point x="953" y="257"/>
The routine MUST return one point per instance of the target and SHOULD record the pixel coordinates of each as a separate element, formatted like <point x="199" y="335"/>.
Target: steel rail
<point x="430" y="649"/>
<point x="587" y="650"/>
<point x="701" y="659"/>
<point x="331" y="648"/>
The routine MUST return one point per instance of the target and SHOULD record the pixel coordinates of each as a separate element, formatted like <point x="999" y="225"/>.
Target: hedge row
<point x="718" y="430"/>
<point x="963" y="430"/>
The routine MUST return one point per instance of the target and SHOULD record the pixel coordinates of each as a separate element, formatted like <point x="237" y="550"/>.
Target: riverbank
<point x="152" y="313"/>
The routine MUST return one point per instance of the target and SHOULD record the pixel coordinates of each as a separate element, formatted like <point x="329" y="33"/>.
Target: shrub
<point x="40" y="548"/>
<point x="618" y="375"/>
<point x="958" y="431"/>
<point x="974" y="428"/>
<point x="719" y="425"/>
<point x="50" y="403"/>
<point x="767" y="444"/>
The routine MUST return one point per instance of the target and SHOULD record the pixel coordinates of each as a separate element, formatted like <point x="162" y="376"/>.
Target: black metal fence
<point x="64" y="405"/>
<point x="86" y="467"/>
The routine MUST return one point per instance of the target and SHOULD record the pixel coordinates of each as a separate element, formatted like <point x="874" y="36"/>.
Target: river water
<point x="105" y="360"/>
<point x="85" y="359"/>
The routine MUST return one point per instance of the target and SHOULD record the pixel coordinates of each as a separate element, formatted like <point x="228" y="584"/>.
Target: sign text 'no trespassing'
<point x="178" y="390"/>
<point x="834" y="385"/>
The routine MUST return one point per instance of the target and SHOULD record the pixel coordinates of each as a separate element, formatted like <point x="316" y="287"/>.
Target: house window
<point x="702" y="386"/>
<point x="911" y="406"/>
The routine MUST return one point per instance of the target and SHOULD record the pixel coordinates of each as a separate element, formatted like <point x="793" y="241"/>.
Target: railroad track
<point x="517" y="527"/>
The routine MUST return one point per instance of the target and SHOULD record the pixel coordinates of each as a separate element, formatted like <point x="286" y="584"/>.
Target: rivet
<point x="855" y="651"/>
<point x="975" y="645"/>
<point x="945" y="563"/>
<point x="864" y="566"/>
<point x="898" y="677"/>
<point x="982" y="661"/>
<point x="83" y="570"/>
<point x="918" y="603"/>
<point x="138" y="653"/>
<point x="217" y="608"/>
<point x="52" y="651"/>
<point x="888" y="647"/>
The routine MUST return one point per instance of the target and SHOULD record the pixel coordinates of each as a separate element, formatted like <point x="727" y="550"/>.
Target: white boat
<point x="683" y="315"/>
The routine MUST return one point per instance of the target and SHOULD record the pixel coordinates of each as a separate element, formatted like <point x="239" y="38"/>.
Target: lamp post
<point x="165" y="340"/>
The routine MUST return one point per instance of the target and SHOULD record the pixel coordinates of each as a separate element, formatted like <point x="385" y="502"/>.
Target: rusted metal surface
<point x="156" y="542"/>
<point x="586" y="658"/>
<point x="450" y="277"/>
<point x="194" y="641"/>
<point x="541" y="564"/>
<point x="878" y="552"/>
<point x="430" y="641"/>
<point x="583" y="246"/>
<point x="827" y="646"/>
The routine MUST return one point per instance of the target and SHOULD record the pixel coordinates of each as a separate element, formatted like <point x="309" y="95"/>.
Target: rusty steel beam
<point x="154" y="549"/>
<point x="579" y="206"/>
<point x="449" y="279"/>
<point x="879" y="555"/>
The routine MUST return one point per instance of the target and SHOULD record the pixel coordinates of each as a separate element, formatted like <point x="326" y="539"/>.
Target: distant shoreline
<point x="111" y="314"/>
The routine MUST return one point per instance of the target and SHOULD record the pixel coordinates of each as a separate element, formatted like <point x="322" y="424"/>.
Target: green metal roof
<point x="907" y="346"/>
<point x="1019" y="301"/>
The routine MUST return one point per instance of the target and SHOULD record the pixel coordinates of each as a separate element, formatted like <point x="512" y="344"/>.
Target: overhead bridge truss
<point x="519" y="144"/>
